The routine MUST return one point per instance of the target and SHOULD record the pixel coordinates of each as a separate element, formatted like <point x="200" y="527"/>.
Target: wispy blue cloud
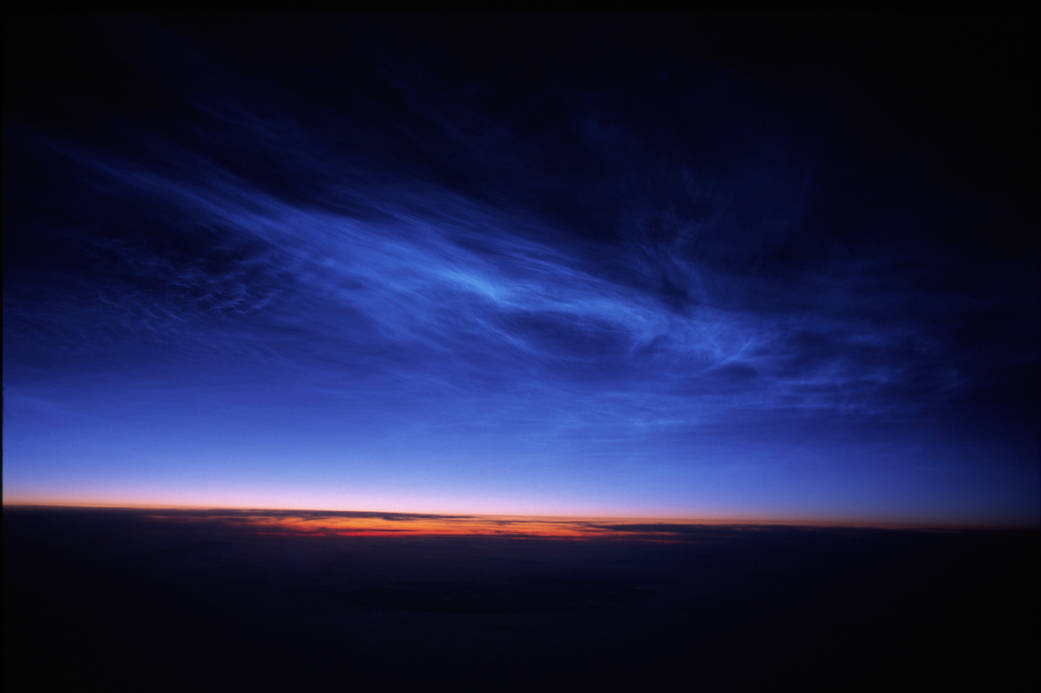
<point x="451" y="273"/>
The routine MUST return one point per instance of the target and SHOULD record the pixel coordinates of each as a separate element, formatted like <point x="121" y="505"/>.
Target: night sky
<point x="723" y="266"/>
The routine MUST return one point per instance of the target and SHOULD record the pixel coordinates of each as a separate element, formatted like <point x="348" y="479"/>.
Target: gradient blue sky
<point x="682" y="268"/>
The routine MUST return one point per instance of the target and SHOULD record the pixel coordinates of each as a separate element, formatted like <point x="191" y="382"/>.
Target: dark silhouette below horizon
<point x="128" y="600"/>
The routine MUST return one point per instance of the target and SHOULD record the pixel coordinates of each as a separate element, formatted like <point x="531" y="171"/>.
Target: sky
<point x="776" y="267"/>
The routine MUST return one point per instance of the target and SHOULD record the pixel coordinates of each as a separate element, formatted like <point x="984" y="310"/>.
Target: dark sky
<point x="759" y="266"/>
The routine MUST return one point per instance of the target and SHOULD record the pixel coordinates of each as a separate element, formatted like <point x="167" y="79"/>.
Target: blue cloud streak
<point x="697" y="329"/>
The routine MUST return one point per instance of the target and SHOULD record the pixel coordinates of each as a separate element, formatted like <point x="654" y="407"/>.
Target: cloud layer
<point x="594" y="265"/>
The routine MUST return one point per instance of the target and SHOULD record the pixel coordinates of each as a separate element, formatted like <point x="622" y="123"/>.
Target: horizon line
<point x="835" y="522"/>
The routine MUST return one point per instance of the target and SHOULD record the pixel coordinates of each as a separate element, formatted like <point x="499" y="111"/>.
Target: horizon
<point x="836" y="522"/>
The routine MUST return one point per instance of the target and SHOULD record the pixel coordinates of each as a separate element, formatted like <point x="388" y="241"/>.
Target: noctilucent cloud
<point x="521" y="265"/>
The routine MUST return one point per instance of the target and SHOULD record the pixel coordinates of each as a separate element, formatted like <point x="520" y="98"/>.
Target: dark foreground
<point x="113" y="600"/>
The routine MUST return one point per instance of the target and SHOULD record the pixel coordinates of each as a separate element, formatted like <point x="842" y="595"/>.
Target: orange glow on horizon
<point x="398" y="525"/>
<point x="313" y="521"/>
<point x="289" y="498"/>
